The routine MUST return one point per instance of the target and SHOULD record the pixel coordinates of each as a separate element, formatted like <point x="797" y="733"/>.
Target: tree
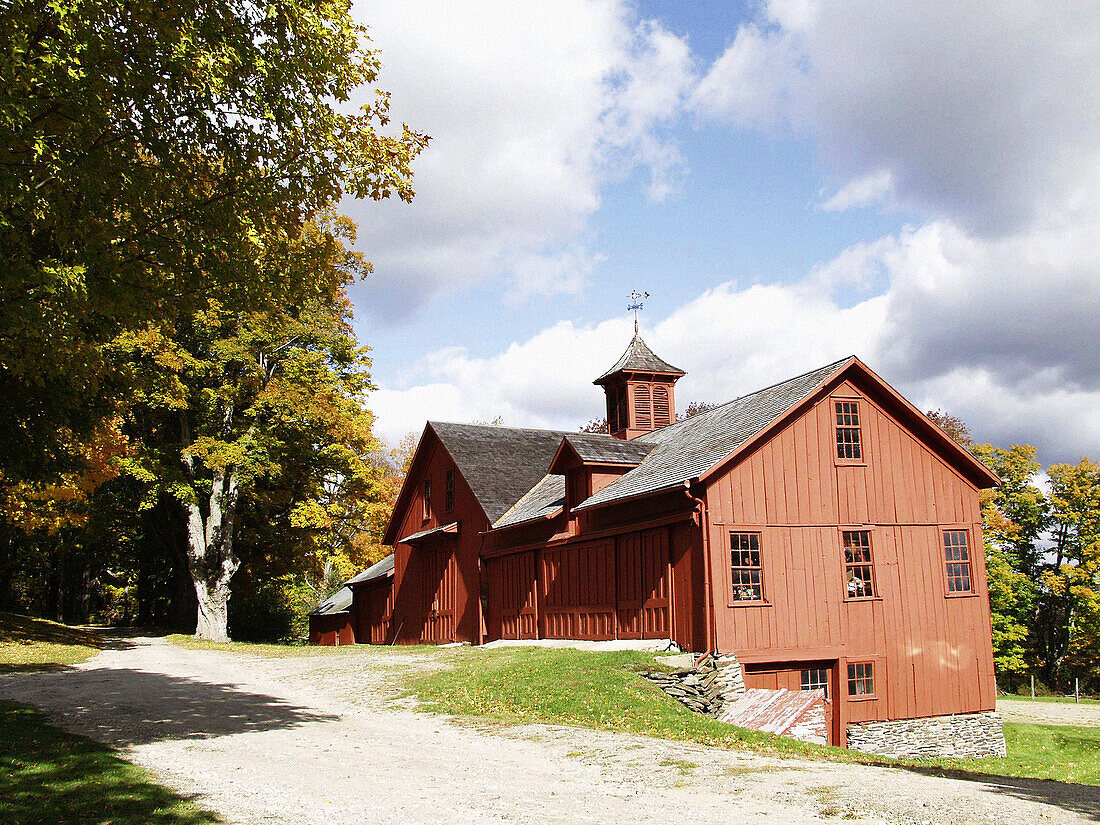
<point x="952" y="425"/>
<point x="265" y="405"/>
<point x="596" y="425"/>
<point x="1070" y="609"/>
<point x="146" y="149"/>
<point x="696" y="407"/>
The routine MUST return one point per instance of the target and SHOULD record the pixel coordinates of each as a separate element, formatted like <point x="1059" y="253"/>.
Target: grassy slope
<point x="49" y="776"/>
<point x="33" y="644"/>
<point x="603" y="690"/>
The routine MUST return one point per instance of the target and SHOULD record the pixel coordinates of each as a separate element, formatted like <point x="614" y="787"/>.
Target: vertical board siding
<point x="931" y="652"/>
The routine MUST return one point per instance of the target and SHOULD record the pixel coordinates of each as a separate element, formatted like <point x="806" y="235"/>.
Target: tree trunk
<point x="210" y="555"/>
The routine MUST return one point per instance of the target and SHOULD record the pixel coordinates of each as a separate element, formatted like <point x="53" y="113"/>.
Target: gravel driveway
<point x="314" y="740"/>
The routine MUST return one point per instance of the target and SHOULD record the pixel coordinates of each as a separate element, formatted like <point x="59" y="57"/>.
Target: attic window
<point x="849" y="441"/>
<point x="449" y="489"/>
<point x="956" y="551"/>
<point x="427" y="498"/>
<point x="859" y="567"/>
<point x="746" y="572"/>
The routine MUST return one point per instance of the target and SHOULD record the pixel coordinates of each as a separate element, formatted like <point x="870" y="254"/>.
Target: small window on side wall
<point x="849" y="433"/>
<point x="449" y="489"/>
<point x="426" y="498"/>
<point x="861" y="679"/>
<point x="956" y="553"/>
<point x="816" y="679"/>
<point x="746" y="574"/>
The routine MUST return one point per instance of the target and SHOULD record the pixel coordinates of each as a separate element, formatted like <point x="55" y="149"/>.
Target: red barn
<point x="822" y="530"/>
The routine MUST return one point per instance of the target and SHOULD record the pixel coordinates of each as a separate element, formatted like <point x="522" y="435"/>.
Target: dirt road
<point x="313" y="740"/>
<point x="1050" y="713"/>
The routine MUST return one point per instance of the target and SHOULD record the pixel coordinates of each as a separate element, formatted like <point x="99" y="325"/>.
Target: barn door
<point x="439" y="594"/>
<point x="642" y="585"/>
<point x="518" y="619"/>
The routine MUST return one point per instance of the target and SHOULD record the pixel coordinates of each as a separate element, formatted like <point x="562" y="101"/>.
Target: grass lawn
<point x="49" y="776"/>
<point x="603" y="690"/>
<point x="35" y="644"/>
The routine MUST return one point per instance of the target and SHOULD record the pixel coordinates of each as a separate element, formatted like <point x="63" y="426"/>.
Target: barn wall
<point x="372" y="609"/>
<point x="331" y="629"/>
<point x="436" y="584"/>
<point x="931" y="651"/>
<point x="636" y="585"/>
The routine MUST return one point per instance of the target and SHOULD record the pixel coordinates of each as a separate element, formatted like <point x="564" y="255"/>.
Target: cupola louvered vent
<point x="643" y="408"/>
<point x="662" y="415"/>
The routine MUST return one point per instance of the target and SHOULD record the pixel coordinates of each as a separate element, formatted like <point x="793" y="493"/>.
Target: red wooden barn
<point x="822" y="529"/>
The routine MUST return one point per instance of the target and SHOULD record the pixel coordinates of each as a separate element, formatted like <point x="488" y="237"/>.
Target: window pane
<point x="746" y="577"/>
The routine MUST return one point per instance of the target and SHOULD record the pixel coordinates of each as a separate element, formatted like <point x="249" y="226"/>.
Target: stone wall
<point x="967" y="734"/>
<point x="706" y="685"/>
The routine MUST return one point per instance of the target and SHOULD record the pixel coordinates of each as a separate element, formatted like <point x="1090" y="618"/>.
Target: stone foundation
<point x="967" y="734"/>
<point x="706" y="686"/>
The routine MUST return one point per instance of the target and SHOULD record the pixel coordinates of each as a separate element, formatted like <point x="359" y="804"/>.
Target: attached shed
<point x="330" y="622"/>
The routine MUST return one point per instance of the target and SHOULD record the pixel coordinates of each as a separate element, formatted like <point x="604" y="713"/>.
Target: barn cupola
<point x="640" y="391"/>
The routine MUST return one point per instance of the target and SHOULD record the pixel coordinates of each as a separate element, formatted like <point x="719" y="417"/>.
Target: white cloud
<point x="981" y="112"/>
<point x="873" y="188"/>
<point x="532" y="108"/>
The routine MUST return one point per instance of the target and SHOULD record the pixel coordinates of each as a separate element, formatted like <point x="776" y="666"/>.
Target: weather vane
<point x="637" y="304"/>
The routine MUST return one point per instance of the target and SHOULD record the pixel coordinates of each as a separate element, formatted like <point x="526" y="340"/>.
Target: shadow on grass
<point x="124" y="706"/>
<point x="49" y="776"/>
<point x="29" y="630"/>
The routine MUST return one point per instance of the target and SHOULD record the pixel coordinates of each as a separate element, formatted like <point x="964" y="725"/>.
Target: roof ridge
<point x="725" y="404"/>
<point x="500" y="427"/>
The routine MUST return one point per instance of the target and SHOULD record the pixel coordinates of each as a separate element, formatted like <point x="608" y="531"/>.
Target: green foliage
<point x="49" y="777"/>
<point x="149" y="150"/>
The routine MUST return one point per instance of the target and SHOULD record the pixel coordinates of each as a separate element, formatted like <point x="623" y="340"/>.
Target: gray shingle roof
<point x="375" y="571"/>
<point x="603" y="449"/>
<point x="423" y="534"/>
<point x="687" y="449"/>
<point x="340" y="601"/>
<point x="639" y="358"/>
<point x="499" y="463"/>
<point x="544" y="499"/>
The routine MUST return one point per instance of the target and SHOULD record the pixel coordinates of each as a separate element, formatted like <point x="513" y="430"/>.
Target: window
<point x="859" y="566"/>
<point x="449" y="489"/>
<point x="816" y="679"/>
<point x="861" y="679"/>
<point x="956" y="553"/>
<point x="427" y="498"/>
<point x="849" y="442"/>
<point x="748" y="585"/>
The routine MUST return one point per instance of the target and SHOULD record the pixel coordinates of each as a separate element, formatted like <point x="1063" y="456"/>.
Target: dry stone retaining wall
<point x="966" y="734"/>
<point x="705" y="687"/>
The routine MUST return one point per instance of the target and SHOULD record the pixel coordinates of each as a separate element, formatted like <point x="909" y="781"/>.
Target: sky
<point x="792" y="181"/>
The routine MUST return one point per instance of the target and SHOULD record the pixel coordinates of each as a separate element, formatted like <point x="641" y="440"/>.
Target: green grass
<point x="49" y="776"/>
<point x="604" y="690"/>
<point x="27" y="643"/>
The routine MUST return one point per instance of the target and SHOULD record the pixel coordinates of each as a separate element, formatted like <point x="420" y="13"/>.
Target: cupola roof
<point x="640" y="358"/>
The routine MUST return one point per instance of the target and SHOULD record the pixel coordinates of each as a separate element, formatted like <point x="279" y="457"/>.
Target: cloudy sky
<point x="792" y="181"/>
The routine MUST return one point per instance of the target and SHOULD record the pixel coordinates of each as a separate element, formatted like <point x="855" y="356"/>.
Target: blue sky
<point x="792" y="181"/>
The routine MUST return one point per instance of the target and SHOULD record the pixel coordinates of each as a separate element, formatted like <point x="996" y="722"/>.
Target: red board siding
<point x="931" y="652"/>
<point x="437" y="583"/>
<point x="331" y="629"/>
<point x="373" y="607"/>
